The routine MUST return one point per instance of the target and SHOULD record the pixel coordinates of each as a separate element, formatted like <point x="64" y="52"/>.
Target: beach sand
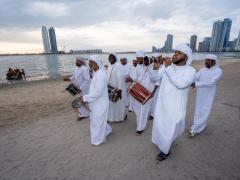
<point x="41" y="139"/>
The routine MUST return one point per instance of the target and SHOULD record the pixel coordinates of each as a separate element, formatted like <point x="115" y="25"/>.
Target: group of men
<point x="168" y="80"/>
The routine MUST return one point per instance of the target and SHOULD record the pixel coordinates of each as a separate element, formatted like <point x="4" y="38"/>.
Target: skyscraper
<point x="206" y="44"/>
<point x="53" y="40"/>
<point x="216" y="35"/>
<point x="200" y="46"/>
<point x="193" y="42"/>
<point x="227" y="23"/>
<point x="220" y="35"/>
<point x="45" y="38"/>
<point x="169" y="43"/>
<point x="237" y="47"/>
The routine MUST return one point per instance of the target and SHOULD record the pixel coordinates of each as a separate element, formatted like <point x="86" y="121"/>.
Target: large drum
<point x="139" y="92"/>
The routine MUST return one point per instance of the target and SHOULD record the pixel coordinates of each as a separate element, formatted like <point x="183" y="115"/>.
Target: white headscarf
<point x="140" y="53"/>
<point x="156" y="55"/>
<point x="123" y="57"/>
<point x="97" y="60"/>
<point x="212" y="57"/>
<point x="184" y="48"/>
<point x="80" y="58"/>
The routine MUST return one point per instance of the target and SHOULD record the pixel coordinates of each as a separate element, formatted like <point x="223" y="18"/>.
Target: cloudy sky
<point x="113" y="25"/>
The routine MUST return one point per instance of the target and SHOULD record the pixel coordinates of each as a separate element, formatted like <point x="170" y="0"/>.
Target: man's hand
<point x="193" y="85"/>
<point x="66" y="79"/>
<point x="129" y="79"/>
<point x="167" y="61"/>
<point x="81" y="98"/>
<point x="153" y="92"/>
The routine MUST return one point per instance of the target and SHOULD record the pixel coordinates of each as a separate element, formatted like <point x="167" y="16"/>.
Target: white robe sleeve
<point x="210" y="83"/>
<point x="73" y="76"/>
<point x="86" y="77"/>
<point x="99" y="87"/>
<point x="198" y="75"/>
<point x="181" y="82"/>
<point x="120" y="78"/>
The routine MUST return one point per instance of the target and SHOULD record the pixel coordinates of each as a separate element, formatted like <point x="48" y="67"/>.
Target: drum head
<point x="76" y="103"/>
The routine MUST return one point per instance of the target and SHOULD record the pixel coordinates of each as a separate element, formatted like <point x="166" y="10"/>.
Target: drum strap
<point x="144" y="74"/>
<point x="110" y="77"/>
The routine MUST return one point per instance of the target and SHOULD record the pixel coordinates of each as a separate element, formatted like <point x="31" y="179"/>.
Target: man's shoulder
<point x="191" y="69"/>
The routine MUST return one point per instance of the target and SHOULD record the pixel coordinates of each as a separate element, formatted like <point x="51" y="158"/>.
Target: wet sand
<point x="41" y="139"/>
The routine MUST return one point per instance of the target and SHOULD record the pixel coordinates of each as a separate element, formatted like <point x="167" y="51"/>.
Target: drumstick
<point x="84" y="105"/>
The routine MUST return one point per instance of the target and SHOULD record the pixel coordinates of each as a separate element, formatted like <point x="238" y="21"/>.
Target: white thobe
<point x="156" y="80"/>
<point x="170" y="112"/>
<point x="98" y="103"/>
<point x="116" y="110"/>
<point x="143" y="76"/>
<point x="205" y="83"/>
<point x="125" y="70"/>
<point x="81" y="79"/>
<point x="132" y="73"/>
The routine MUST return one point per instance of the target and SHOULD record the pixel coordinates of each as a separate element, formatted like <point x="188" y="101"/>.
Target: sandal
<point x="162" y="156"/>
<point x="192" y="133"/>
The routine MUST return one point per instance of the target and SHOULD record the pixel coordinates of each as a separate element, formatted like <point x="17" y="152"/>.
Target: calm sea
<point x="52" y="66"/>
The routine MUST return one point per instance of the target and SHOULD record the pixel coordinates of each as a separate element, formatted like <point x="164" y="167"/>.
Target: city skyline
<point x="110" y="25"/>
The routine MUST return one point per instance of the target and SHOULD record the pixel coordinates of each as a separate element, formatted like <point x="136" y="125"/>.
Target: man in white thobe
<point x="157" y="65"/>
<point x="170" y="112"/>
<point x="81" y="79"/>
<point x="116" y="112"/>
<point x="132" y="73"/>
<point x="125" y="68"/>
<point x="142" y="76"/>
<point x="205" y="82"/>
<point x="98" y="102"/>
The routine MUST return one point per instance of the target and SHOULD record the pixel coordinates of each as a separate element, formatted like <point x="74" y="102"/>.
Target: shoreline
<point x="195" y="64"/>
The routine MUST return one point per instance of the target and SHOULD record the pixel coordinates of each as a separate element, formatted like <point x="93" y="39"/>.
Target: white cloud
<point x="113" y="24"/>
<point x="52" y="10"/>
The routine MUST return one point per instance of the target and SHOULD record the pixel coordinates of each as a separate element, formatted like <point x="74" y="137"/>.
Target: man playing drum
<point x="143" y="77"/>
<point x="98" y="102"/>
<point x="116" y="112"/>
<point x="81" y="79"/>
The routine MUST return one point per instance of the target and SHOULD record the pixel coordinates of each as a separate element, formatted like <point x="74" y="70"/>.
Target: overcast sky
<point x="113" y="25"/>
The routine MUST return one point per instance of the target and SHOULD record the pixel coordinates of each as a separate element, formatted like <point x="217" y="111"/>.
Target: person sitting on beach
<point x="205" y="83"/>
<point x="170" y="112"/>
<point x="81" y="79"/>
<point x="10" y="73"/>
<point x="98" y="102"/>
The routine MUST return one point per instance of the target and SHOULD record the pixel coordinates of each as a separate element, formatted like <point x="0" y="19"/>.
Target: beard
<point x="176" y="61"/>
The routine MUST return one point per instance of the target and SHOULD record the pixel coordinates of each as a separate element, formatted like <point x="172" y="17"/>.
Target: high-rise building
<point x="206" y="44"/>
<point x="53" y="40"/>
<point x="237" y="46"/>
<point x="45" y="38"/>
<point x="227" y="23"/>
<point x="193" y="42"/>
<point x="231" y="45"/>
<point x="200" y="47"/>
<point x="169" y="43"/>
<point x="216" y="36"/>
<point x="220" y="35"/>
